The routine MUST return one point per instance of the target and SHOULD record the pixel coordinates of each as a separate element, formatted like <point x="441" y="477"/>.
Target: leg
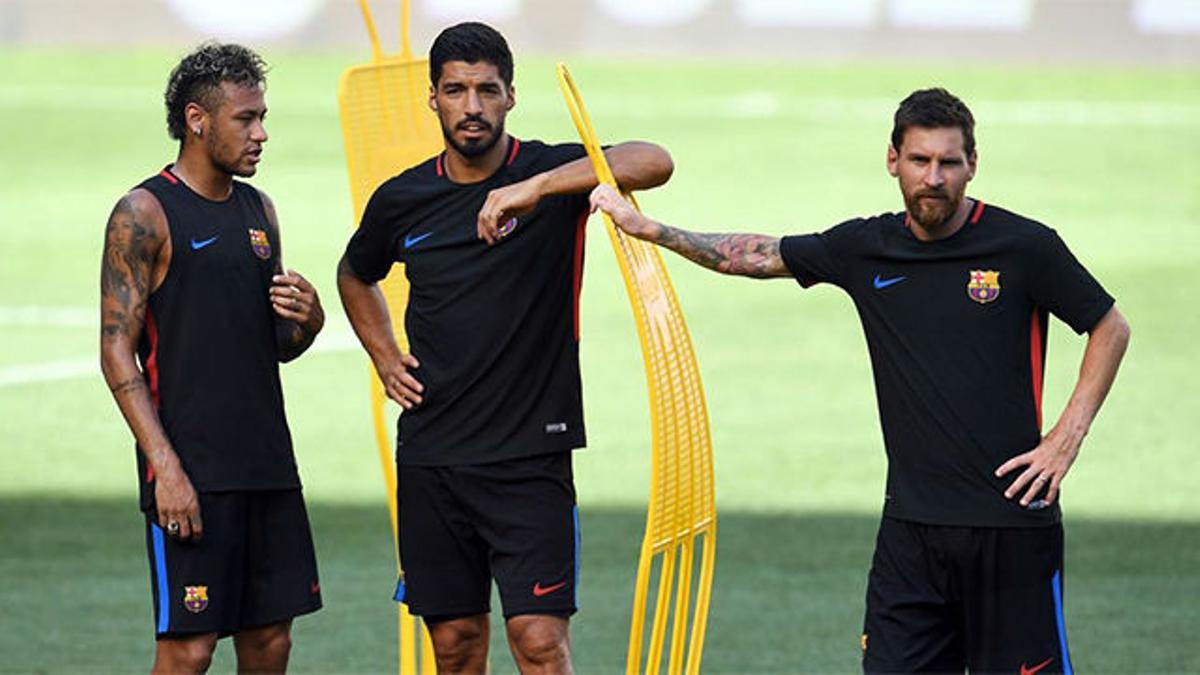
<point x="190" y="654"/>
<point x="540" y="643"/>
<point x="460" y="645"/>
<point x="264" y="649"/>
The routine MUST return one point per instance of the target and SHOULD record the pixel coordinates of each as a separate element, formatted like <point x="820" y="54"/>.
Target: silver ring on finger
<point x="172" y="527"/>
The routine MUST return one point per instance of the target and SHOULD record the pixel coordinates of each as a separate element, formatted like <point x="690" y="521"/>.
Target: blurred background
<point x="777" y="113"/>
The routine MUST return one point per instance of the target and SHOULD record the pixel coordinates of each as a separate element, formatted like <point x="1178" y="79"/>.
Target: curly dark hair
<point x="471" y="42"/>
<point x="198" y="77"/>
<point x="933" y="109"/>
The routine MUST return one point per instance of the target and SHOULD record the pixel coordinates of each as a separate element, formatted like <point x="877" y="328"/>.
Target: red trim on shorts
<point x="580" y="237"/>
<point x="977" y="213"/>
<point x="1037" y="351"/>
<point x="165" y="173"/>
<point x="438" y="165"/>
<point x="152" y="371"/>
<point x="512" y="155"/>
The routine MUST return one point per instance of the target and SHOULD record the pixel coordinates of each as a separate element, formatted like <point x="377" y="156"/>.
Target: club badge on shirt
<point x="507" y="228"/>
<point x="195" y="598"/>
<point x="260" y="244"/>
<point x="983" y="286"/>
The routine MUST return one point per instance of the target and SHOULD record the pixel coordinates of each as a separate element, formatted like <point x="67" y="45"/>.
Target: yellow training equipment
<point x="682" y="513"/>
<point x="387" y="127"/>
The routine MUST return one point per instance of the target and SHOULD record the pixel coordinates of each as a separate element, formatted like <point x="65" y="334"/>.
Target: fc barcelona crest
<point x="983" y="285"/>
<point x="260" y="244"/>
<point x="195" y="598"/>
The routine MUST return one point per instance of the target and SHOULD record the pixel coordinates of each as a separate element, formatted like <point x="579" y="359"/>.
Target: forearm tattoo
<point x="125" y="271"/>
<point x="751" y="255"/>
<point x="132" y="384"/>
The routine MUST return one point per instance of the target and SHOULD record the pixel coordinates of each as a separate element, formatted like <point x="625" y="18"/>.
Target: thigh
<point x="525" y="509"/>
<point x="197" y="585"/>
<point x="281" y="580"/>
<point x="911" y="622"/>
<point x="445" y="562"/>
<point x="1013" y="605"/>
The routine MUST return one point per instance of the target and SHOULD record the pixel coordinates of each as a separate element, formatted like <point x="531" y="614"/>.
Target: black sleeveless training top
<point x="208" y="348"/>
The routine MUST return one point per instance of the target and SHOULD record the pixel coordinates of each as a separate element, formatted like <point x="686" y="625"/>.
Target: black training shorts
<point x="254" y="566"/>
<point x="947" y="599"/>
<point x="514" y="521"/>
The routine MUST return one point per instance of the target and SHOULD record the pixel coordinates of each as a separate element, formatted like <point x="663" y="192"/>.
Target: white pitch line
<point x="337" y="339"/>
<point x="753" y="104"/>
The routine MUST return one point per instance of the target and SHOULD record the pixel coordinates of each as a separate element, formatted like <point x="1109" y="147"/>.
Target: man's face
<point x="236" y="134"/>
<point x="471" y="101"/>
<point x="933" y="170"/>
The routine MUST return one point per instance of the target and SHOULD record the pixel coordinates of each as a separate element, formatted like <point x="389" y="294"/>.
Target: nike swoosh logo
<point x="1031" y="671"/>
<point x="410" y="241"/>
<point x="539" y="590"/>
<point x="884" y="283"/>
<point x="197" y="245"/>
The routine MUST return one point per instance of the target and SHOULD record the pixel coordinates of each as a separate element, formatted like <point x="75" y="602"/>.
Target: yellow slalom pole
<point x="681" y="506"/>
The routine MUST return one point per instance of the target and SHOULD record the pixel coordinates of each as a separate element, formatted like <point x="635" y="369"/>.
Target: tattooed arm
<point x="748" y="255"/>
<point x="137" y="252"/>
<point x="298" y="313"/>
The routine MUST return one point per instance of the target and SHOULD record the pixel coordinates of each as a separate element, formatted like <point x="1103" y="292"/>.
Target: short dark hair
<point x="934" y="108"/>
<point x="198" y="78"/>
<point x="471" y="42"/>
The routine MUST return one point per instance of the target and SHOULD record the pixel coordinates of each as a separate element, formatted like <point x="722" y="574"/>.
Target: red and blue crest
<point x="983" y="286"/>
<point x="507" y="228"/>
<point x="260" y="244"/>
<point x="195" y="598"/>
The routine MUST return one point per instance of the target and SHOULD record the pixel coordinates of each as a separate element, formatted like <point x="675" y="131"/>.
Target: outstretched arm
<point x="136" y="255"/>
<point x="636" y="165"/>
<point x="368" y="313"/>
<point x="749" y="255"/>
<point x="1050" y="461"/>
<point x="298" y="313"/>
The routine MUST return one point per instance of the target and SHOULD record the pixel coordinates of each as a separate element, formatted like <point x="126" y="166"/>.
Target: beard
<point x="932" y="213"/>
<point x="233" y="168"/>
<point x="474" y="147"/>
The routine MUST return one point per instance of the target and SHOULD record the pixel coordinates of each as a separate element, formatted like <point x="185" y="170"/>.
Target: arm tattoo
<point x="750" y="255"/>
<point x="132" y="384"/>
<point x="125" y="270"/>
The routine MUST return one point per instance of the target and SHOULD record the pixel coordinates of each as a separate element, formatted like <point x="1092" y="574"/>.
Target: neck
<point x="947" y="227"/>
<point x="199" y="174"/>
<point x="463" y="169"/>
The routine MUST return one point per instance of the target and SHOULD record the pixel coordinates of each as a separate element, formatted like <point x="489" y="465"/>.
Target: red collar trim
<point x="512" y="155"/>
<point x="166" y="173"/>
<point x="977" y="213"/>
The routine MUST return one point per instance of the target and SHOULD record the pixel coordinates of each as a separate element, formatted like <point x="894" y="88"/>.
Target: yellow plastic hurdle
<point x="682" y="512"/>
<point x="387" y="127"/>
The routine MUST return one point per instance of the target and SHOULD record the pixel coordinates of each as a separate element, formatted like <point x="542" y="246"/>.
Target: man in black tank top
<point x="954" y="297"/>
<point x="197" y="311"/>
<point x="491" y="388"/>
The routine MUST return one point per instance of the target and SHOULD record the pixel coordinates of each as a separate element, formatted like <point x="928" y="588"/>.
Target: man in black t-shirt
<point x="954" y="297"/>
<point x="491" y="233"/>
<point x="197" y="312"/>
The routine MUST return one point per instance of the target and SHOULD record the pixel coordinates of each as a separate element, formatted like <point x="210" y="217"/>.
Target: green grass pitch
<point x="1110" y="158"/>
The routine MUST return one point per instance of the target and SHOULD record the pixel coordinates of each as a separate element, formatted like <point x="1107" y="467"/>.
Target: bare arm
<point x="298" y="313"/>
<point x="636" y="165"/>
<point x="136" y="255"/>
<point x="749" y="255"/>
<point x="1050" y="461"/>
<point x="368" y="313"/>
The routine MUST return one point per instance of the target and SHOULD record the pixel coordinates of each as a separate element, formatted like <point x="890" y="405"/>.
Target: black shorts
<point x="254" y="566"/>
<point x="944" y="599"/>
<point x="463" y="526"/>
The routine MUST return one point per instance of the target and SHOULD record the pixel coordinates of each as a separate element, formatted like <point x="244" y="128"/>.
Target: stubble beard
<point x="474" y="149"/>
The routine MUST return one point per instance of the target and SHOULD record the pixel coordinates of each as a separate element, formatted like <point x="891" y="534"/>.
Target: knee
<point x="273" y="644"/>
<point x="457" y="645"/>
<point x="192" y="655"/>
<point x="541" y="641"/>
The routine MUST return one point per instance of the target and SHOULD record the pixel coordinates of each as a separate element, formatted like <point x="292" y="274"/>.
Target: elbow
<point x="660" y="167"/>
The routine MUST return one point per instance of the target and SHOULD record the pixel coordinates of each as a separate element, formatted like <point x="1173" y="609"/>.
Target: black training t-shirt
<point x="208" y="348"/>
<point x="956" y="329"/>
<point x="495" y="328"/>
